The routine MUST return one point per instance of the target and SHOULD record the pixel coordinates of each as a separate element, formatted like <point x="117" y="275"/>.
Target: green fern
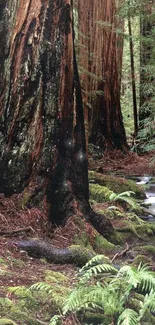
<point x="128" y="317"/>
<point x="112" y="292"/>
<point x="147" y="304"/>
<point x="97" y="269"/>
<point x="124" y="196"/>
<point x="42" y="286"/>
<point x="55" y="320"/>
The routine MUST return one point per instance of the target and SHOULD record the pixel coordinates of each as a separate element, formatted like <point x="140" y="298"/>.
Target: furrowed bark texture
<point x="147" y="84"/>
<point x="100" y="72"/>
<point x="42" y="137"/>
<point x="41" y="127"/>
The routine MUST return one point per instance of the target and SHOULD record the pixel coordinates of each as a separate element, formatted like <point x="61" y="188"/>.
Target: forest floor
<point x="16" y="267"/>
<point x="124" y="164"/>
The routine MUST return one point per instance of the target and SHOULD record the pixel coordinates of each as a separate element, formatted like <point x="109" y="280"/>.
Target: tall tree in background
<point x="147" y="71"/>
<point x="133" y="77"/>
<point x="42" y="138"/>
<point x="100" y="75"/>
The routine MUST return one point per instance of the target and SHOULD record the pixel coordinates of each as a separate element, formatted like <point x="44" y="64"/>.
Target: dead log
<point x="74" y="254"/>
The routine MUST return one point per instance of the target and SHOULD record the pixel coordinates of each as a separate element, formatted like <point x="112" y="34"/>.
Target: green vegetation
<point x="110" y="291"/>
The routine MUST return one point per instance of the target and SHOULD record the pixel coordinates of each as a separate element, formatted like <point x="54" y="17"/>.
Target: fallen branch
<point x="121" y="254"/>
<point x="15" y="231"/>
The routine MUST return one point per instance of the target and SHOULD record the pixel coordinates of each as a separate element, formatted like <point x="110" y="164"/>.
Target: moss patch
<point x="147" y="249"/>
<point x="55" y="277"/>
<point x="117" y="185"/>
<point x="103" y="245"/>
<point x="142" y="259"/>
<point x="99" y="193"/>
<point x="5" y="321"/>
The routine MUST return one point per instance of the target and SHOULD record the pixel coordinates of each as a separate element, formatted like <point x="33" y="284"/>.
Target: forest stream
<point x="149" y="202"/>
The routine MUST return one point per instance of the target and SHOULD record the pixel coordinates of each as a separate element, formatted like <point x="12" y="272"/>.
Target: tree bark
<point x="42" y="134"/>
<point x="100" y="72"/>
<point x="40" y="249"/>
<point x="147" y="88"/>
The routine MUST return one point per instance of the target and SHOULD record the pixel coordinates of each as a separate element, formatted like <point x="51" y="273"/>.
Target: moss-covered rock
<point x="147" y="249"/>
<point x="117" y="184"/>
<point x="142" y="259"/>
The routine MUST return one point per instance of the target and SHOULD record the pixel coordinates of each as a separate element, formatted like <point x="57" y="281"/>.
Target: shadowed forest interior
<point x="77" y="162"/>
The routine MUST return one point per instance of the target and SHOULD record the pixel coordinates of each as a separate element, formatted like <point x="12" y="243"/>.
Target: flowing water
<point x="150" y="196"/>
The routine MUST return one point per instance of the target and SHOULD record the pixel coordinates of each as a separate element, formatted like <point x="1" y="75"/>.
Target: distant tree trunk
<point x="42" y="138"/>
<point x="133" y="79"/>
<point x="100" y="74"/>
<point x="147" y="86"/>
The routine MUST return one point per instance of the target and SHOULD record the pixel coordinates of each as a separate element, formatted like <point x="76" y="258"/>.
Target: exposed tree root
<point x="39" y="249"/>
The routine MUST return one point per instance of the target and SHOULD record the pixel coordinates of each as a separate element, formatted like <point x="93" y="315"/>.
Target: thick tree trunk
<point x="100" y="72"/>
<point x="42" y="134"/>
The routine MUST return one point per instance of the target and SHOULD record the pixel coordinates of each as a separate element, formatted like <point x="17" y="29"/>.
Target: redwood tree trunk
<point x="147" y="87"/>
<point x="101" y="73"/>
<point x="41" y="121"/>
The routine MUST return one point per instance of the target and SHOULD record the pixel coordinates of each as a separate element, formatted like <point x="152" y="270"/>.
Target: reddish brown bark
<point x="100" y="74"/>
<point x="42" y="127"/>
<point x="147" y="21"/>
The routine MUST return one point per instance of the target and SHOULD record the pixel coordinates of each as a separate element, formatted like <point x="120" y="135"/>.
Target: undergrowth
<point x="105" y="289"/>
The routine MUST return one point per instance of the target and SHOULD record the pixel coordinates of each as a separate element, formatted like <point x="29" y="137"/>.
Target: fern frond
<point x="124" y="196"/>
<point x="98" y="269"/>
<point x="146" y="279"/>
<point x="128" y="317"/>
<point x="42" y="286"/>
<point x="147" y="304"/>
<point x="130" y="274"/>
<point x="96" y="297"/>
<point x="97" y="259"/>
<point x="79" y="299"/>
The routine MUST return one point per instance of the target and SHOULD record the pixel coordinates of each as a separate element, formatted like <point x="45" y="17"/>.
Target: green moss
<point x="25" y="199"/>
<point x="55" y="277"/>
<point x="102" y="244"/>
<point x="117" y="184"/>
<point x="80" y="254"/>
<point x="147" y="248"/>
<point x="82" y="240"/>
<point x="146" y="229"/>
<point x="142" y="259"/>
<point x="99" y="193"/>
<point x="5" y="321"/>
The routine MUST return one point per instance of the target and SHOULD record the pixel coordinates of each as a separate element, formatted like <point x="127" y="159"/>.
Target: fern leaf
<point x="128" y="317"/>
<point x="41" y="286"/>
<point x="126" y="193"/>
<point x="113" y="196"/>
<point x="147" y="279"/>
<point x="147" y="304"/>
<point x="130" y="274"/>
<point x="98" y="269"/>
<point x="97" y="259"/>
